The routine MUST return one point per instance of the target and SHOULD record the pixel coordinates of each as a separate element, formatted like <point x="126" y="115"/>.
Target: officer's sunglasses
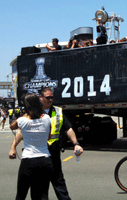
<point x="48" y="98"/>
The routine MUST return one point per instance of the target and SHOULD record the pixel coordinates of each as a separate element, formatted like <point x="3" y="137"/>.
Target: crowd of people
<point x="124" y="39"/>
<point x="75" y="43"/>
<point x="41" y="127"/>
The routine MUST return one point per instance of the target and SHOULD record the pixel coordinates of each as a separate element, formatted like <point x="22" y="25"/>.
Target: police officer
<point x="10" y="113"/>
<point x="17" y="112"/>
<point x="58" y="122"/>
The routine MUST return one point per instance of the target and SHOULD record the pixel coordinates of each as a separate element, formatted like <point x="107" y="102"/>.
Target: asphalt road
<point x="91" y="179"/>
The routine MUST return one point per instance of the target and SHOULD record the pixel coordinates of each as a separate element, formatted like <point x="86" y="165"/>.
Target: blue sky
<point x="29" y="22"/>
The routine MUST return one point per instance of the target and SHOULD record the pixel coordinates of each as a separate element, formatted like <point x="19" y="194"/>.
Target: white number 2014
<point x="79" y="86"/>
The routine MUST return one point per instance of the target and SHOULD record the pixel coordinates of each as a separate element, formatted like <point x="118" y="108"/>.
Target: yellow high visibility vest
<point x="56" y="124"/>
<point x="10" y="112"/>
<point x="17" y="110"/>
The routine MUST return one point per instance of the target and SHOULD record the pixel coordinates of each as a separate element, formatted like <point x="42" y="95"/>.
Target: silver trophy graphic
<point x="40" y="72"/>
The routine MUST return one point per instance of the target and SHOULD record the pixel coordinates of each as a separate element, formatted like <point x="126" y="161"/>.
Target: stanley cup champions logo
<point x="40" y="78"/>
<point x="40" y="73"/>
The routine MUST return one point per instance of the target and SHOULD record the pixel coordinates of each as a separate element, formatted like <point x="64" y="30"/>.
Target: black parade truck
<point x="85" y="81"/>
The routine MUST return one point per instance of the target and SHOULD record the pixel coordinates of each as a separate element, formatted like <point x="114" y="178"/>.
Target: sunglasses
<point x="48" y="98"/>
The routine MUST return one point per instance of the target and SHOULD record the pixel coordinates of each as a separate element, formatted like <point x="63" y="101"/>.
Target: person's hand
<point x="99" y="19"/>
<point x="74" y="41"/>
<point x="12" y="154"/>
<point x="78" y="147"/>
<point x="47" y="45"/>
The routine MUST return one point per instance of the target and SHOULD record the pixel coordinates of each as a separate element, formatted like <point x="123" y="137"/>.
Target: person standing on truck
<point x="55" y="47"/>
<point x="101" y="32"/>
<point x="73" y="43"/>
<point x="59" y="121"/>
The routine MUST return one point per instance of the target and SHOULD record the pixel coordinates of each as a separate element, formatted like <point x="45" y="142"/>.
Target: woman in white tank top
<point x="36" y="168"/>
